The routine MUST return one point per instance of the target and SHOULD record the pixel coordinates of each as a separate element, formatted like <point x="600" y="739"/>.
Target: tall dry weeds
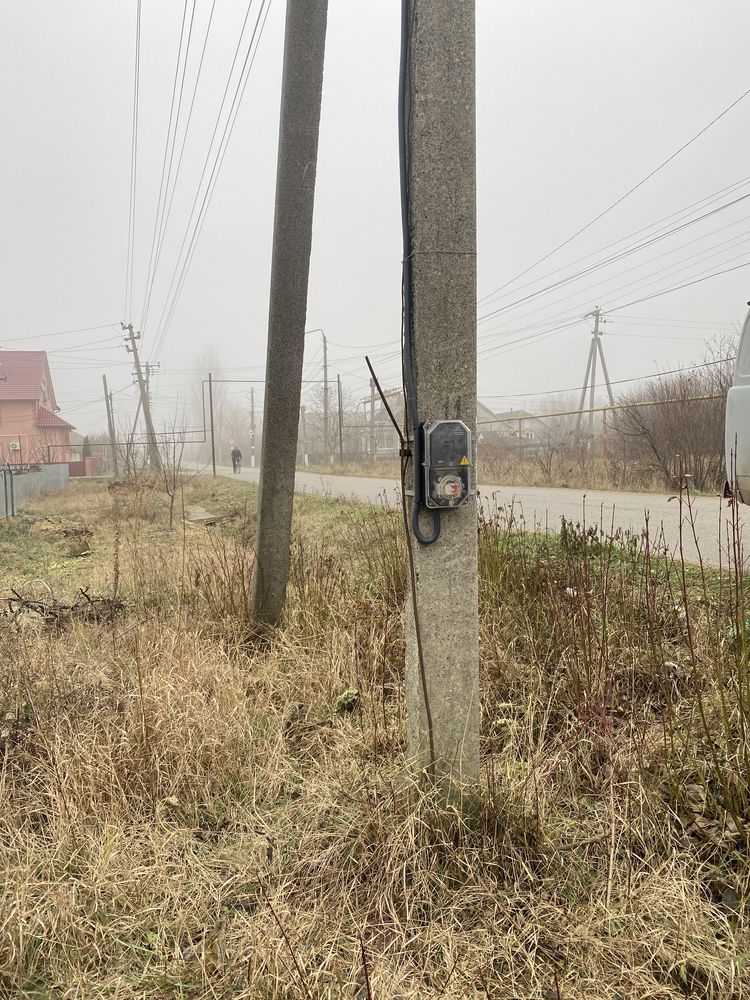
<point x="190" y="810"/>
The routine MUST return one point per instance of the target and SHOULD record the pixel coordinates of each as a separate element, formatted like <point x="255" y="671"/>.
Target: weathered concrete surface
<point x="442" y="692"/>
<point x="302" y="84"/>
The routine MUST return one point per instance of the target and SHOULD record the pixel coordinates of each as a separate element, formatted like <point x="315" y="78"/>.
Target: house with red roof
<point x="31" y="432"/>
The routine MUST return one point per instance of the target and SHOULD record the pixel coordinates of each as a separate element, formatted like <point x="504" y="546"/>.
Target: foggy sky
<point x="577" y="102"/>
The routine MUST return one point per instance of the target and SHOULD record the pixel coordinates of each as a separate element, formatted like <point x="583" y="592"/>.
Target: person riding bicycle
<point x="236" y="459"/>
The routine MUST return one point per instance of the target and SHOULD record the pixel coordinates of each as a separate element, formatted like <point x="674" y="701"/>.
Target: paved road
<point x="541" y="505"/>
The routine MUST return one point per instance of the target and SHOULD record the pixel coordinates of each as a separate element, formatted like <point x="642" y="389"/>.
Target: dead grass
<point x="190" y="809"/>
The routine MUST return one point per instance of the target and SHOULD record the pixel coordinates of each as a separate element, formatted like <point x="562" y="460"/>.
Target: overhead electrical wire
<point x="234" y="111"/>
<point x="190" y="239"/>
<point x="622" y="198"/>
<point x="58" y="333"/>
<point x="613" y="258"/>
<point x="166" y="217"/>
<point x="668" y="291"/>
<point x="601" y="385"/>
<point x="708" y="253"/>
<point x="674" y="268"/>
<point x="682" y="213"/>
<point x="168" y="155"/>
<point x="129" y="267"/>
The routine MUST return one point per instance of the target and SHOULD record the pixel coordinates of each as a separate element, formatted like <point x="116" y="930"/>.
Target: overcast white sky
<point x="577" y="102"/>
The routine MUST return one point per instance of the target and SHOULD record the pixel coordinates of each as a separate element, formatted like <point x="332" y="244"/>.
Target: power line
<point x="58" y="333"/>
<point x="621" y="381"/>
<point x="681" y="213"/>
<point x="166" y="217"/>
<point x="677" y="288"/>
<point x="708" y="254"/>
<point x="614" y="258"/>
<point x="133" y="167"/>
<point x="627" y="194"/>
<point x="228" y="130"/>
<point x="167" y="154"/>
<point x="170" y="306"/>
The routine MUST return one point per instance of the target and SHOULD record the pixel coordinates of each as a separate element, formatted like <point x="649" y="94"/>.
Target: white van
<point x="737" y="421"/>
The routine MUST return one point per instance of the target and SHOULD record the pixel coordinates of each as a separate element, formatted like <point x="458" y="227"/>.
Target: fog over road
<point x="546" y="506"/>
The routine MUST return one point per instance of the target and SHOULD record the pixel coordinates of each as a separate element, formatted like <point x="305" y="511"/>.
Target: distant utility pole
<point x="303" y="418"/>
<point x="252" y="427"/>
<point x="438" y="150"/>
<point x="341" y="420"/>
<point x="326" y="416"/>
<point x="132" y="339"/>
<point x="301" y="91"/>
<point x="211" y="418"/>
<point x="589" y="380"/>
<point x="373" y="438"/>
<point x="111" y="426"/>
<point x="148" y="370"/>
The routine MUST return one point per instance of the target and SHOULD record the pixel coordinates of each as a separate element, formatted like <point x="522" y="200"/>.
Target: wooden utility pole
<point x="132" y="339"/>
<point x="301" y="91"/>
<point x="111" y="426"/>
<point x="438" y="156"/>
<point x="341" y="420"/>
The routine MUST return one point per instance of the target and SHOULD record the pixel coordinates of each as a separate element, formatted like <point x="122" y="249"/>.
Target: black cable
<point x="406" y="292"/>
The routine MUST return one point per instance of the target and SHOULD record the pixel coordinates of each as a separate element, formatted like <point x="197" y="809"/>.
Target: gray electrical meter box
<point x="447" y="463"/>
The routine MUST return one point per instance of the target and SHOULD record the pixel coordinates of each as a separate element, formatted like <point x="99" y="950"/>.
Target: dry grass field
<point x="191" y="807"/>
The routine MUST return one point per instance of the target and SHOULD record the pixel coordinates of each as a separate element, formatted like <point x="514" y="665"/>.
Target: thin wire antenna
<point x="384" y="401"/>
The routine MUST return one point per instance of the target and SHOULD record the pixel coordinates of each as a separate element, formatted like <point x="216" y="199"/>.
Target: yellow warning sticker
<point x="464" y="460"/>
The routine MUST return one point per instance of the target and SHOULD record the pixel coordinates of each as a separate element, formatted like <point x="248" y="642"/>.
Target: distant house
<point x="516" y="428"/>
<point x="30" y="429"/>
<point x="513" y="428"/>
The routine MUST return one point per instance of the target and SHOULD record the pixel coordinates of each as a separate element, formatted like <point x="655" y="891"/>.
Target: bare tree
<point x="677" y="421"/>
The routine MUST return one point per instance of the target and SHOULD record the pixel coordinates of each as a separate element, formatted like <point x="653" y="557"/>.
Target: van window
<point x="743" y="356"/>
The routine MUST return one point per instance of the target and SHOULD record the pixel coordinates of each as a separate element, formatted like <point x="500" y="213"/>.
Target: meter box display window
<point x="447" y="463"/>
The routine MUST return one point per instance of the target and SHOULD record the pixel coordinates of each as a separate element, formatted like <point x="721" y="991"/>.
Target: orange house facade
<point x="31" y="432"/>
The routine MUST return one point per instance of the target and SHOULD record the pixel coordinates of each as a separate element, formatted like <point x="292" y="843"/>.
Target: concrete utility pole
<point x="341" y="420"/>
<point x="111" y="426"/>
<point x="148" y="371"/>
<point x="439" y="147"/>
<point x="153" y="449"/>
<point x="589" y="380"/>
<point x="326" y="401"/>
<point x="301" y="91"/>
<point x="211" y="418"/>
<point x="373" y="438"/>
<point x="305" y="458"/>
<point x="252" y="427"/>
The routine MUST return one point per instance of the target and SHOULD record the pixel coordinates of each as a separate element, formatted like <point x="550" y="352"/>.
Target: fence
<point x="20" y="485"/>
